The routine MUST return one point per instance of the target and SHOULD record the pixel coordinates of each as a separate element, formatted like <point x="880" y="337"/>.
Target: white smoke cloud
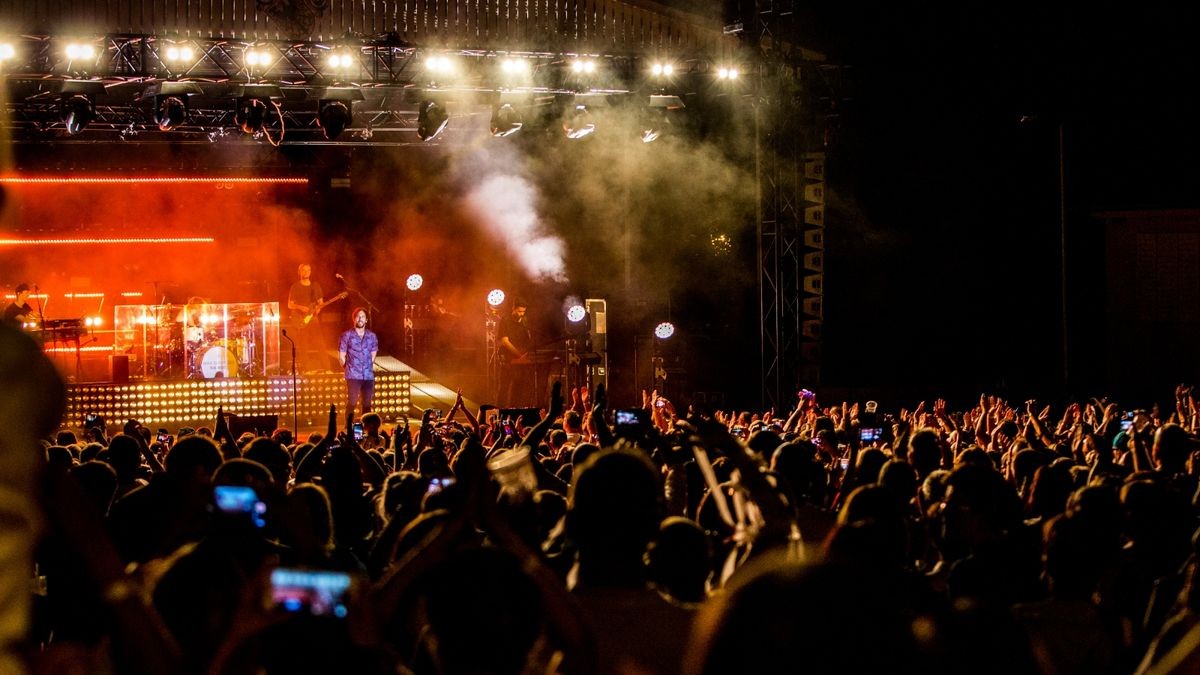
<point x="506" y="205"/>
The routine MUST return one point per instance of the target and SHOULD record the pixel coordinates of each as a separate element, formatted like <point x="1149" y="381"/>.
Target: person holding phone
<point x="356" y="352"/>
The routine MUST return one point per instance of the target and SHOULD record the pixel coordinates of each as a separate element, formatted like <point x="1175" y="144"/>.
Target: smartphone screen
<point x="869" y="434"/>
<point x="237" y="499"/>
<point x="436" y="485"/>
<point x="313" y="592"/>
<point x="358" y="431"/>
<point x="164" y="438"/>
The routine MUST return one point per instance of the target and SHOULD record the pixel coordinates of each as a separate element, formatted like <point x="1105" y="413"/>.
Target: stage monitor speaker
<point x="118" y="366"/>
<point x="259" y="425"/>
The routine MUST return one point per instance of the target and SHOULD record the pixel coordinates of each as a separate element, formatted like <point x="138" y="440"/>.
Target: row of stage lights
<point x="262" y="58"/>
<point x="198" y="401"/>
<point x="78" y="108"/>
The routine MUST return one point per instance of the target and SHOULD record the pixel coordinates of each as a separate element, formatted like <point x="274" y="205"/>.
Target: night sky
<point x="943" y="268"/>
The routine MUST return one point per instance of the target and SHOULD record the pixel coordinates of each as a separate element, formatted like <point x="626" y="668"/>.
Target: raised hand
<point x="556" y="400"/>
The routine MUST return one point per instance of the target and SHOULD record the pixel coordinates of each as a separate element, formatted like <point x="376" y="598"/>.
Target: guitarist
<point x="304" y="304"/>
<point x="516" y="373"/>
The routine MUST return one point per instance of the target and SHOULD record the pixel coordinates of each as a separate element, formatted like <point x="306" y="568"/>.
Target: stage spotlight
<point x="506" y="121"/>
<point x="251" y="115"/>
<point x="496" y="297"/>
<point x="431" y="120"/>
<point x="333" y="118"/>
<point x="170" y="112"/>
<point x="662" y="69"/>
<point x="576" y="313"/>
<point x="177" y="54"/>
<point x="343" y="61"/>
<point x="439" y="64"/>
<point x="257" y="58"/>
<point x="578" y="123"/>
<point x="414" y="282"/>
<point x="80" y="52"/>
<point x="727" y="73"/>
<point x="514" y="66"/>
<point x="7" y="51"/>
<point x="664" y="330"/>
<point x="77" y="112"/>
<point x="335" y="108"/>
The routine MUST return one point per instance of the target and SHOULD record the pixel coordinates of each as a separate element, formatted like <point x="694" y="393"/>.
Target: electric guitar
<point x="320" y="306"/>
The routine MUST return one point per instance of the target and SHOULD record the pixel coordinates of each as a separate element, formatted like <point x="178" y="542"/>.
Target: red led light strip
<point x="30" y="180"/>
<point x="114" y="240"/>
<point x="71" y="350"/>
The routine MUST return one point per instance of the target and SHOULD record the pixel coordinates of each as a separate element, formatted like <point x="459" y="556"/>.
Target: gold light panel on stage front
<point x="195" y="402"/>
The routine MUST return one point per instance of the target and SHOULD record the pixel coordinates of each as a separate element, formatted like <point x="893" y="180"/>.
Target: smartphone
<point x="845" y="462"/>
<point x="240" y="500"/>
<point x="437" y="414"/>
<point x="508" y="428"/>
<point x="91" y="420"/>
<point x="312" y="592"/>
<point x="358" y="431"/>
<point x="436" y="485"/>
<point x="660" y="403"/>
<point x="869" y="434"/>
<point x="164" y="438"/>
<point x="631" y="422"/>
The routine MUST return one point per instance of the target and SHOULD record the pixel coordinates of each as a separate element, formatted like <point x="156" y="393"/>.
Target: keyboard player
<point x="18" y="311"/>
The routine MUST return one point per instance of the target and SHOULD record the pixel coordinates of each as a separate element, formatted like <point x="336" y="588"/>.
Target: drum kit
<point x="207" y="345"/>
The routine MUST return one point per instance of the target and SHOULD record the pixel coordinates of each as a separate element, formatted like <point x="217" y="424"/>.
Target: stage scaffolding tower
<point x="793" y="103"/>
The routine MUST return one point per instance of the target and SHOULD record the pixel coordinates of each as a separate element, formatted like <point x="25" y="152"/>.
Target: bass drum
<point x="217" y="361"/>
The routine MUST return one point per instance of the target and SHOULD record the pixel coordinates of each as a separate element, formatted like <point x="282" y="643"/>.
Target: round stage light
<point x="333" y="118"/>
<point x="77" y="113"/>
<point x="172" y="53"/>
<point x="668" y="69"/>
<point x="576" y="313"/>
<point x="664" y="330"/>
<point x="431" y="120"/>
<point x="495" y="298"/>
<point x="657" y="69"/>
<point x="506" y="121"/>
<point x="171" y="113"/>
<point x="7" y="51"/>
<point x="414" y="282"/>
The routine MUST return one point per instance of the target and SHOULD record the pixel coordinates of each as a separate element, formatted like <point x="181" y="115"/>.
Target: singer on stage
<point x="356" y="352"/>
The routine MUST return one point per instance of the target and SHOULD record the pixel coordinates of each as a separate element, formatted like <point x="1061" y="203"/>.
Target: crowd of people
<point x="1003" y="538"/>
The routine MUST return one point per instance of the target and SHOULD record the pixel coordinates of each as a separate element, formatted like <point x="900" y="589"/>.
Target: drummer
<point x="195" y="319"/>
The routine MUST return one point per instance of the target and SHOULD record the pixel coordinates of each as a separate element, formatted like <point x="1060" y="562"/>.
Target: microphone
<point x="339" y="277"/>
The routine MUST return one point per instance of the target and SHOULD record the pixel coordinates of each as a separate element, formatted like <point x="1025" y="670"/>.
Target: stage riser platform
<point x="194" y="402"/>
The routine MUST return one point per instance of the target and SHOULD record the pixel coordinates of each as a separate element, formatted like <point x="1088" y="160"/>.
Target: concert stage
<point x="400" y="392"/>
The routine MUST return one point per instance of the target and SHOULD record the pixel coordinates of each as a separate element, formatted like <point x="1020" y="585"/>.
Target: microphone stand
<point x="295" y="405"/>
